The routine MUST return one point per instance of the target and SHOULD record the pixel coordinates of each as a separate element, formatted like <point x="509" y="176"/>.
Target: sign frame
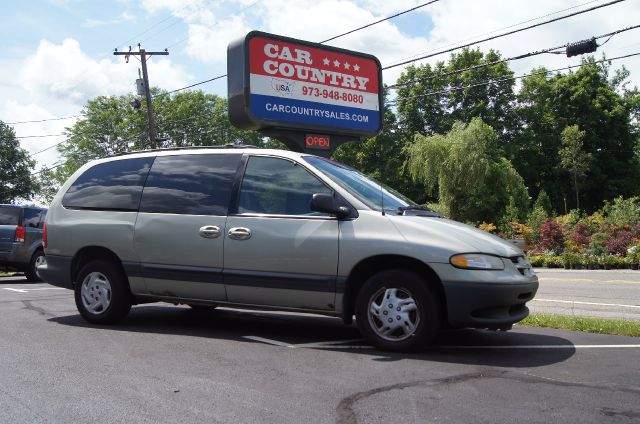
<point x="240" y="110"/>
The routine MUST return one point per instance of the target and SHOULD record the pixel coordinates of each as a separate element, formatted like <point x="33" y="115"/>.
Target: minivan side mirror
<point x="322" y="202"/>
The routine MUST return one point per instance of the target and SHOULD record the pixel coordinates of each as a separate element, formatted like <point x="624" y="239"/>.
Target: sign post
<point x="309" y="96"/>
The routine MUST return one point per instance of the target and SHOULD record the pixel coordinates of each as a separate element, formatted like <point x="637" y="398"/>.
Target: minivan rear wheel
<point x="396" y="310"/>
<point x="102" y="293"/>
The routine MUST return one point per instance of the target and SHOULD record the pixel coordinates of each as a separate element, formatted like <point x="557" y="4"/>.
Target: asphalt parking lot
<point x="170" y="364"/>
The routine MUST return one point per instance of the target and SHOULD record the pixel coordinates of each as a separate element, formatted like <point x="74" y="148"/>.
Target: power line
<point x="379" y="21"/>
<point x="487" y="82"/>
<point x="321" y="42"/>
<point x="496" y="62"/>
<point x="500" y="29"/>
<point x="505" y="33"/>
<point x="40" y="136"/>
<point x="42" y="120"/>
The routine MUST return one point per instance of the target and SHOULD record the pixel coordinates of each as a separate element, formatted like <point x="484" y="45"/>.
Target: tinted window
<point x="190" y="184"/>
<point x="31" y="218"/>
<point x="278" y="186"/>
<point x="9" y="215"/>
<point x="113" y="185"/>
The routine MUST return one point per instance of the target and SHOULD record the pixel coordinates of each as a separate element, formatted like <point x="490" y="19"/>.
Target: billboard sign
<point x="279" y="83"/>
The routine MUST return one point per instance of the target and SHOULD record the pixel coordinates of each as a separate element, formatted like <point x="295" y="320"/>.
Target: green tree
<point x="383" y="158"/>
<point x="543" y="202"/>
<point x="111" y="125"/>
<point x="573" y="158"/>
<point x="602" y="107"/>
<point x="473" y="180"/>
<point x="16" y="180"/>
<point x="431" y="98"/>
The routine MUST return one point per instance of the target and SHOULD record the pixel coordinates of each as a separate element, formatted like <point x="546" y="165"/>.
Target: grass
<point x="586" y="324"/>
<point x="4" y="274"/>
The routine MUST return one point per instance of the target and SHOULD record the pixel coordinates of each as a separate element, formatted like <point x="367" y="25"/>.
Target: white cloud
<point x="58" y="79"/>
<point x="209" y="44"/>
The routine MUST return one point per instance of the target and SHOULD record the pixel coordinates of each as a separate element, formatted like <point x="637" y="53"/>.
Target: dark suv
<point x="21" y="239"/>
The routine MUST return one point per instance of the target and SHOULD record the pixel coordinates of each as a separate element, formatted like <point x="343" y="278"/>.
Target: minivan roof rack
<point x="166" y="149"/>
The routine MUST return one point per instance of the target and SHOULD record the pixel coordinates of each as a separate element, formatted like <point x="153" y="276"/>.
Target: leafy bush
<point x="597" y="244"/>
<point x="488" y="227"/>
<point x="622" y="211"/>
<point x="536" y="218"/>
<point x="595" y="222"/>
<point x="618" y="241"/>
<point x="536" y="260"/>
<point x="580" y="236"/>
<point x="551" y="237"/>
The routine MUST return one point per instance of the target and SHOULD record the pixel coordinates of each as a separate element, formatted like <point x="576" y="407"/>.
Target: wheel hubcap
<point x="95" y="292"/>
<point x="39" y="261"/>
<point x="393" y="314"/>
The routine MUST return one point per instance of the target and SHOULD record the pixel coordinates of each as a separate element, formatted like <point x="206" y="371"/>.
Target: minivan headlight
<point x="477" y="261"/>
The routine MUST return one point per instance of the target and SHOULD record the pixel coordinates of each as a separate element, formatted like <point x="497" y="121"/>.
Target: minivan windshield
<point x="9" y="215"/>
<point x="367" y="190"/>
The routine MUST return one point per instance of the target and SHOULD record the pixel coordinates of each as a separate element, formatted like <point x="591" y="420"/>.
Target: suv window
<point x="278" y="186"/>
<point x="31" y="217"/>
<point x="9" y="215"/>
<point x="113" y="185"/>
<point x="190" y="184"/>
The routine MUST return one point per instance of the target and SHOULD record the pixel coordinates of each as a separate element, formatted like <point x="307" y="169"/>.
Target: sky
<point x="58" y="54"/>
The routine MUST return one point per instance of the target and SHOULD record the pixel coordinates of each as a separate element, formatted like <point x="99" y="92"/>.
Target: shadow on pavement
<point x="296" y="329"/>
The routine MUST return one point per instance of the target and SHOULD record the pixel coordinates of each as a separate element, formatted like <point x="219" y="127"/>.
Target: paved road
<point x="169" y="364"/>
<point x="599" y="293"/>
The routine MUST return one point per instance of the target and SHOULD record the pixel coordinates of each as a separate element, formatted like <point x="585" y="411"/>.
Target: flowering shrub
<point x="619" y="240"/>
<point x="488" y="227"/>
<point x="521" y="230"/>
<point x="580" y="236"/>
<point x="551" y="237"/>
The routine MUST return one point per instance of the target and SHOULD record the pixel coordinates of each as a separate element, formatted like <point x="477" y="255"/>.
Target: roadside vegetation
<point x="461" y="136"/>
<point x="586" y="324"/>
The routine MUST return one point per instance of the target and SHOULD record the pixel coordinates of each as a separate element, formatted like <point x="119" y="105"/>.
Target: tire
<point x="31" y="272"/>
<point x="102" y="292"/>
<point x="405" y="299"/>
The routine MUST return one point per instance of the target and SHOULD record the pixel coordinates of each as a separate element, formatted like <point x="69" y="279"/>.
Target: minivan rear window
<point x="9" y="215"/>
<point x="115" y="185"/>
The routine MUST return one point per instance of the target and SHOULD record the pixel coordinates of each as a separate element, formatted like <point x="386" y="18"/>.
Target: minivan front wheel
<point x="102" y="293"/>
<point x="395" y="310"/>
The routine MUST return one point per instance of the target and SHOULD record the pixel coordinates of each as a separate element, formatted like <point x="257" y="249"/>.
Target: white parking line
<point x="30" y="290"/>
<point x="564" y="346"/>
<point x="573" y="302"/>
<point x="268" y="341"/>
<point x="336" y="344"/>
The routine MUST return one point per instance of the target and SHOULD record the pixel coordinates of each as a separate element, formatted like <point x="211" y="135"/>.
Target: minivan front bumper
<point x="486" y="299"/>
<point x="490" y="305"/>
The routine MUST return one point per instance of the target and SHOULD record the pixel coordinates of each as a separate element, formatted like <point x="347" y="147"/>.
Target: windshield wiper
<point x="418" y="210"/>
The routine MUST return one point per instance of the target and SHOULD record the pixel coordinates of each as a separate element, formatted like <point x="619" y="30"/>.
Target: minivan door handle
<point x="209" y="231"/>
<point x="239" y="233"/>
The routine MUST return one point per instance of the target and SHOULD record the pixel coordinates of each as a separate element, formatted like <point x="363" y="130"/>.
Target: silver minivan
<point x="275" y="229"/>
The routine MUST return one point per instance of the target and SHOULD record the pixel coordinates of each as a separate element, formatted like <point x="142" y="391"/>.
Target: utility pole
<point x="143" y="59"/>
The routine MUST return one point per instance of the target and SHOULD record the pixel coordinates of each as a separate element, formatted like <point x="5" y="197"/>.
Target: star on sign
<point x="346" y="65"/>
<point x="356" y="68"/>
<point x="325" y="61"/>
<point x="336" y="63"/>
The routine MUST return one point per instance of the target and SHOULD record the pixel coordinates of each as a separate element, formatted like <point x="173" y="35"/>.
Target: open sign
<point x="314" y="141"/>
